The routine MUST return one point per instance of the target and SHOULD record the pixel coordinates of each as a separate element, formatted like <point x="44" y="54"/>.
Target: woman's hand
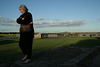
<point x="22" y="18"/>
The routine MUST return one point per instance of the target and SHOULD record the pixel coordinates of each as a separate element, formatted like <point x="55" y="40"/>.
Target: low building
<point x="66" y="34"/>
<point x="17" y="35"/>
<point x="49" y="35"/>
<point x="37" y="36"/>
<point x="88" y="35"/>
<point x="80" y="35"/>
<point x="44" y="35"/>
<point x="84" y="35"/>
<point x="52" y="35"/>
<point x="96" y="35"/>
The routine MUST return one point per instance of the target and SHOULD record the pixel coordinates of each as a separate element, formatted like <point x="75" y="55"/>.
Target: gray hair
<point x="23" y="7"/>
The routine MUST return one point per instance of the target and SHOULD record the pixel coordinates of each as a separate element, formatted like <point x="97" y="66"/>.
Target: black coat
<point x="27" y="19"/>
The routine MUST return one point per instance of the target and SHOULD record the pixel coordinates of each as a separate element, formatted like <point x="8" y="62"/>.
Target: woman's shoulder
<point x="28" y="13"/>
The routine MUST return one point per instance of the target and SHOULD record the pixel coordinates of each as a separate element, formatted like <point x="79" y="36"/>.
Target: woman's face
<point x="22" y="11"/>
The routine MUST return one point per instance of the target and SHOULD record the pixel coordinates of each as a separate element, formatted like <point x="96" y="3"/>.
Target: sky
<point x="53" y="15"/>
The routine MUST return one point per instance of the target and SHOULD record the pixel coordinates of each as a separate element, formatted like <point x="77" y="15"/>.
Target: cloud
<point x="98" y="20"/>
<point x="6" y="20"/>
<point x="39" y="19"/>
<point x="72" y="23"/>
<point x="56" y="19"/>
<point x="38" y="24"/>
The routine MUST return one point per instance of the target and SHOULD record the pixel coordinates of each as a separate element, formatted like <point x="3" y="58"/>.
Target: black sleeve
<point x="27" y="19"/>
<point x="19" y="20"/>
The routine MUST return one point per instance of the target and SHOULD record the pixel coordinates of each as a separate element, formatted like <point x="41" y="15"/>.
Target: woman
<point x="26" y="38"/>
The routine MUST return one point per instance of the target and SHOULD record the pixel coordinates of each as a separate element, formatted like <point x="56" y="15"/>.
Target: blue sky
<point x="53" y="15"/>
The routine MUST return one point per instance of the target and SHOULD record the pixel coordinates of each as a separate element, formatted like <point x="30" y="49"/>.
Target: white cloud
<point x="52" y="23"/>
<point x="39" y="19"/>
<point x="72" y="23"/>
<point x="6" y="20"/>
<point x="98" y="20"/>
<point x="56" y="19"/>
<point x="0" y="16"/>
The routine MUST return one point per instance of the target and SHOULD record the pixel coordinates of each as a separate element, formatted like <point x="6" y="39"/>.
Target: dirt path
<point x="52" y="58"/>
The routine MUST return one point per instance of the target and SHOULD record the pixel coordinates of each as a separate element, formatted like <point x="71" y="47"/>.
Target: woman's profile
<point x="26" y="33"/>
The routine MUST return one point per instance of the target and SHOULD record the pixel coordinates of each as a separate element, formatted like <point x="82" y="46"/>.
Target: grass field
<point x="9" y="47"/>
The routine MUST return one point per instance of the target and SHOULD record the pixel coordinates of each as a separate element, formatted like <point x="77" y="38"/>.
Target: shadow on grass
<point x="1" y="36"/>
<point x="4" y="42"/>
<point x="88" y="42"/>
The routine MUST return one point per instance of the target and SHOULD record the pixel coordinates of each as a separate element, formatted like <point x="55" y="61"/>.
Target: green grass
<point x="9" y="47"/>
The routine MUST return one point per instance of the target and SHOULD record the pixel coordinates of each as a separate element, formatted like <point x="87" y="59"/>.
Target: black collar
<point x="25" y="12"/>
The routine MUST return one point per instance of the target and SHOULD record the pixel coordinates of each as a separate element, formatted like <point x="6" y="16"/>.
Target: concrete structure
<point x="84" y="35"/>
<point x="66" y="34"/>
<point x="44" y="35"/>
<point x="49" y="35"/>
<point x="52" y="35"/>
<point x="37" y="36"/>
<point x="17" y="35"/>
<point x="96" y="35"/>
<point x="88" y="35"/>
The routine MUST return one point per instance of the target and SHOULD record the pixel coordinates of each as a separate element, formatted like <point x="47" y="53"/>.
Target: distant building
<point x="17" y="35"/>
<point x="44" y="35"/>
<point x="88" y="35"/>
<point x="95" y="35"/>
<point x="52" y="35"/>
<point x="84" y="35"/>
<point x="49" y="35"/>
<point x="66" y="34"/>
<point x="80" y="35"/>
<point x="37" y="36"/>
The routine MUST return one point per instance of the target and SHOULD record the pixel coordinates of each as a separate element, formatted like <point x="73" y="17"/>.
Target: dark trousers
<point x="25" y="44"/>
